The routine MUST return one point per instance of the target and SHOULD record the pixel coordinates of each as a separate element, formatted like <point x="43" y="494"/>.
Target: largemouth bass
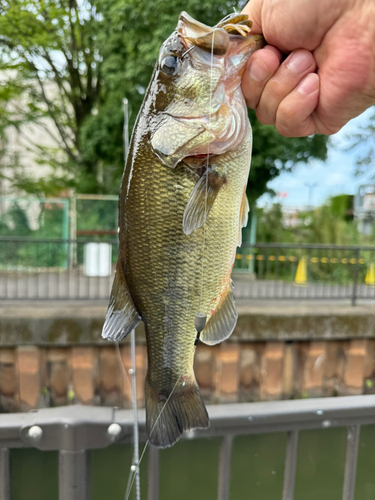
<point x="181" y="209"/>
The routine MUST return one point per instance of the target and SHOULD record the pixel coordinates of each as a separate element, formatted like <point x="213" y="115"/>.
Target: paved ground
<point x="269" y="307"/>
<point x="75" y="285"/>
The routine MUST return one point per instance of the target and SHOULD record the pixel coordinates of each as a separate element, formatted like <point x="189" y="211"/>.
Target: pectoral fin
<point x="221" y="324"/>
<point x="121" y="315"/>
<point x="244" y="210"/>
<point x="244" y="217"/>
<point x="201" y="200"/>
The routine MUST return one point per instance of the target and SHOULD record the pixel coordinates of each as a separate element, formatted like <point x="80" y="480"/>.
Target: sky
<point x="334" y="176"/>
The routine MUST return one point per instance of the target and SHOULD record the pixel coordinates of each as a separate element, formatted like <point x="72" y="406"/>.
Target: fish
<point x="182" y="205"/>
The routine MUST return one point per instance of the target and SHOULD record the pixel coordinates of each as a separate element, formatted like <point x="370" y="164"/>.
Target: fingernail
<point x="300" y="61"/>
<point x="309" y="84"/>
<point x="258" y="71"/>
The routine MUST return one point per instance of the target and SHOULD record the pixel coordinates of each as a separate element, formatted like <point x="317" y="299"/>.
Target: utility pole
<point x="311" y="186"/>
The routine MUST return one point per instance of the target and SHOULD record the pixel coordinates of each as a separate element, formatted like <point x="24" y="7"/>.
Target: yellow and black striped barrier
<point x="301" y="272"/>
<point x="291" y="258"/>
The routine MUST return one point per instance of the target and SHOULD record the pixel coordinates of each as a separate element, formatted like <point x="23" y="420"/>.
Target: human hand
<point x="328" y="77"/>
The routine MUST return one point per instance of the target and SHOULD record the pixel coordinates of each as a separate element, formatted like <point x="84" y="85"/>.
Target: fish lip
<point x="189" y="118"/>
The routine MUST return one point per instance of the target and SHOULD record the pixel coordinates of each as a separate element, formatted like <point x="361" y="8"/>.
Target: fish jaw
<point x="205" y="112"/>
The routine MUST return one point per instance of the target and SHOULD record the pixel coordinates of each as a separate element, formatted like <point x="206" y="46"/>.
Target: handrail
<point x="72" y="430"/>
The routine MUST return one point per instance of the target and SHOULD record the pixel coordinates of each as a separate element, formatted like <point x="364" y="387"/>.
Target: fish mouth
<point x="214" y="39"/>
<point x="218" y="123"/>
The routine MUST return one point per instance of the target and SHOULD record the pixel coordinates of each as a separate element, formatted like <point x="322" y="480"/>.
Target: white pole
<point x="135" y="418"/>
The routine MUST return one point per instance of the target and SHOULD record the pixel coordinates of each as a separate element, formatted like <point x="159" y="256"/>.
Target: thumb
<point x="253" y="9"/>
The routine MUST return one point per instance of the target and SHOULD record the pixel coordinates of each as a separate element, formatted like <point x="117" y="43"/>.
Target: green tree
<point x="331" y="223"/>
<point x="270" y="227"/>
<point x="50" y="65"/>
<point x="74" y="61"/>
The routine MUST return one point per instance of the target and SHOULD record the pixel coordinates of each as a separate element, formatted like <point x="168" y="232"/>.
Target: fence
<point x="83" y="269"/>
<point x="78" y="430"/>
<point x="81" y="215"/>
<point x="286" y="271"/>
<point x="56" y="269"/>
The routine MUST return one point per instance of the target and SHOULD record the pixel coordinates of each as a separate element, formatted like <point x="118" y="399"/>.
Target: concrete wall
<point x="53" y="355"/>
<point x="34" y="377"/>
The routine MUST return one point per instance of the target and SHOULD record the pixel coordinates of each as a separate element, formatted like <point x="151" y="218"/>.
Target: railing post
<point x="4" y="474"/>
<point x="355" y="278"/>
<point x="74" y="475"/>
<point x="153" y="474"/>
<point x="224" y="468"/>
<point x="351" y="462"/>
<point x="290" y="465"/>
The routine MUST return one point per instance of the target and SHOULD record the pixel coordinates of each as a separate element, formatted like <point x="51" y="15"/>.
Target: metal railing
<point x="74" y="430"/>
<point x="53" y="269"/>
<point x="291" y="271"/>
<point x="77" y="269"/>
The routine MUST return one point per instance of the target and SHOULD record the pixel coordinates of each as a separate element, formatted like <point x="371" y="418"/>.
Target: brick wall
<point x="34" y="377"/>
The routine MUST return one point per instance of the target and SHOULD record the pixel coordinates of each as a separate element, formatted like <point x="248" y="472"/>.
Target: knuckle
<point x="323" y="127"/>
<point x="329" y="130"/>
<point x="264" y="117"/>
<point x="287" y="124"/>
<point x="275" y="91"/>
<point x="286" y="130"/>
<point x="252" y="99"/>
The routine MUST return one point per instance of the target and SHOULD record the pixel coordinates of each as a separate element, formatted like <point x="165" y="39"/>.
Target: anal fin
<point x="201" y="200"/>
<point x="221" y="324"/>
<point x="122" y="315"/>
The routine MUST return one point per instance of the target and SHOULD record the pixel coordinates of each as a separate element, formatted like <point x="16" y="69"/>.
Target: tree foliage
<point x="73" y="62"/>
<point x="365" y="140"/>
<point x="50" y="65"/>
<point x="331" y="223"/>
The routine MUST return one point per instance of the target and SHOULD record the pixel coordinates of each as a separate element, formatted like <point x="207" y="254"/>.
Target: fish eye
<point x="169" y="65"/>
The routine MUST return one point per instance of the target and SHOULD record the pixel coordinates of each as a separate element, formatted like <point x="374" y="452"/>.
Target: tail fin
<point x="167" y="419"/>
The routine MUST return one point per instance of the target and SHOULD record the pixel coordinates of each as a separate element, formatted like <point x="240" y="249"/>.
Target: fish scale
<point x="180" y="219"/>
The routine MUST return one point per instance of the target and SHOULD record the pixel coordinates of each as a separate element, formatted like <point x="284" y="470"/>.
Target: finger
<point x="261" y="66"/>
<point x="253" y="10"/>
<point x="297" y="65"/>
<point x="294" y="117"/>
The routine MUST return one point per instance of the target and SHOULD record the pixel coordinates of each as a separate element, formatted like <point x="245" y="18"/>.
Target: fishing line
<point x="207" y="172"/>
<point x="135" y="418"/>
<point x="132" y="387"/>
<point x="126" y="376"/>
<point x="199" y="322"/>
<point x="128" y="490"/>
